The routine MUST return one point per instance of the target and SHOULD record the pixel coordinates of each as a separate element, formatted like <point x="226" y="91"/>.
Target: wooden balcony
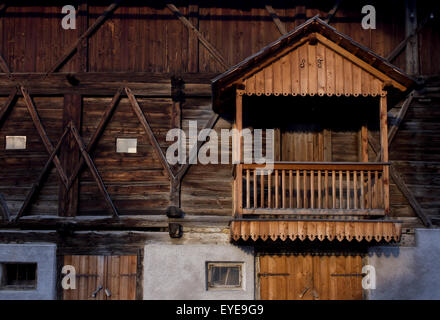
<point x="312" y="188"/>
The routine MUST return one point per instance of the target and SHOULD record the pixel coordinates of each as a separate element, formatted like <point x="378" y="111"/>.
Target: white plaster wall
<point x="178" y="271"/>
<point x="408" y="272"/>
<point x="41" y="253"/>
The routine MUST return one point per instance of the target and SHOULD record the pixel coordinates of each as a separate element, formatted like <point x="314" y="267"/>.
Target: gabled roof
<point x="312" y="30"/>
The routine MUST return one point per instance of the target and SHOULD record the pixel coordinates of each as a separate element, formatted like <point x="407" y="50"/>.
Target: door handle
<point x="96" y="291"/>
<point x="107" y="292"/>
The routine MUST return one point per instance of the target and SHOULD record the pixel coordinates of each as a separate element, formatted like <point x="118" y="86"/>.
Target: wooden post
<point x="364" y="143"/>
<point x="239" y="148"/>
<point x="384" y="151"/>
<point x="193" y="41"/>
<point x="412" y="56"/>
<point x="69" y="157"/>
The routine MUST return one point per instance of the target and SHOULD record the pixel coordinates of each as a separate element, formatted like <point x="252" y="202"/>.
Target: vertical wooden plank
<point x="333" y="189"/>
<point x="305" y="193"/>
<point x="239" y="150"/>
<point x="290" y="189"/>
<point x="327" y="137"/>
<point x="313" y="73"/>
<point x="364" y="138"/>
<point x="283" y="187"/>
<point x="333" y="284"/>
<point x="277" y="184"/>
<point x="124" y="277"/>
<point x="365" y="83"/>
<point x="264" y="281"/>
<point x="277" y="78"/>
<point x="303" y="64"/>
<point x="262" y="190"/>
<point x="362" y="200"/>
<point x="324" y="276"/>
<point x="248" y="188"/>
<point x="355" y="189"/>
<point x="376" y="193"/>
<point x="298" y="190"/>
<point x="102" y="270"/>
<point x="259" y="82"/>
<point x="312" y="189"/>
<point x="369" y="192"/>
<point x="357" y="89"/>
<point x="339" y="75"/>
<point x="348" y="77"/>
<point x="291" y="290"/>
<point x="384" y="151"/>
<point x="341" y="191"/>
<point x="83" y="275"/>
<point x="294" y="77"/>
<point x="255" y="188"/>
<point x="322" y="69"/>
<point x="348" y="189"/>
<point x="114" y="275"/>
<point x="357" y="281"/>
<point x="286" y="74"/>
<point x="330" y="71"/>
<point x="268" y="79"/>
<point x="133" y="278"/>
<point x="269" y="190"/>
<point x="92" y="281"/>
<point x="319" y="189"/>
<point x="326" y="189"/>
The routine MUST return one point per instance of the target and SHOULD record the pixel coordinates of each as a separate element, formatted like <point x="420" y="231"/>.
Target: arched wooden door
<point x="310" y="277"/>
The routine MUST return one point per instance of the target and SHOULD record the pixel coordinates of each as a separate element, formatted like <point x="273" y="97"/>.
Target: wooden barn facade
<point x="92" y="208"/>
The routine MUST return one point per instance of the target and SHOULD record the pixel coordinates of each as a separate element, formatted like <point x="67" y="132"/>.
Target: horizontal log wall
<point x="19" y="169"/>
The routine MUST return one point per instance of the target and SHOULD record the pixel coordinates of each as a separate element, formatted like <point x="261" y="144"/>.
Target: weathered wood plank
<point x="98" y="22"/>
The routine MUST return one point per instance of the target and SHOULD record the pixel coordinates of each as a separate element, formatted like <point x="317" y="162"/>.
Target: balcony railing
<point x="323" y="188"/>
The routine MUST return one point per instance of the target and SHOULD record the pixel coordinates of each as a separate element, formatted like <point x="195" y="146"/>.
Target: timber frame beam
<point x="333" y="11"/>
<point x="211" y="49"/>
<point x="276" y="19"/>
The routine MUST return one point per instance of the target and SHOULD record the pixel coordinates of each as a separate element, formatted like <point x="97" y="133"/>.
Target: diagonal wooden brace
<point x="43" y="135"/>
<point x="94" y="171"/>
<point x="9" y="102"/>
<point x="101" y="126"/>
<point x="137" y="110"/>
<point x="36" y="186"/>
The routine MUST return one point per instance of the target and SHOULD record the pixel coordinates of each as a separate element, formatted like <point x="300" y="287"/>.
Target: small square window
<point x="224" y="275"/>
<point x="18" y="275"/>
<point x="124" y="145"/>
<point x="15" y="142"/>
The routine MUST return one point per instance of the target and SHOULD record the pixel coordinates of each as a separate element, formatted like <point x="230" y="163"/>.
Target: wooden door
<point x="310" y="277"/>
<point x="102" y="277"/>
<point x="302" y="143"/>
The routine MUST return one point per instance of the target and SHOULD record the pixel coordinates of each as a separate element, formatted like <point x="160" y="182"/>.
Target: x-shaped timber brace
<point x="53" y="158"/>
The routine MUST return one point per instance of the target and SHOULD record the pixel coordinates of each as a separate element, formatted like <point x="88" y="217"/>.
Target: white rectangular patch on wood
<point x="15" y="143"/>
<point x="124" y="145"/>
